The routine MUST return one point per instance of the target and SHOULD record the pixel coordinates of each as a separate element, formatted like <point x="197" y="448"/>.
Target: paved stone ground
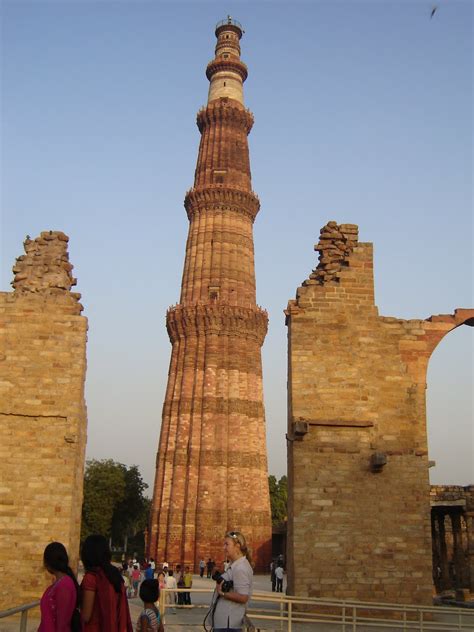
<point x="191" y="618"/>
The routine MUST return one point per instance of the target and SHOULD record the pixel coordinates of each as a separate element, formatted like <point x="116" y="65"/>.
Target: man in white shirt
<point x="279" y="578"/>
<point x="171" y="585"/>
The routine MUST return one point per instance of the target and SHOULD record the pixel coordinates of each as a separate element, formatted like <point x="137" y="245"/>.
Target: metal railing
<point x="296" y="613"/>
<point x="24" y="613"/>
<point x="229" y="21"/>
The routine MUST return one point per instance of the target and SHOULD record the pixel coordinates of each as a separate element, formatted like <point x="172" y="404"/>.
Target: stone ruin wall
<point x="359" y="493"/>
<point x="42" y="416"/>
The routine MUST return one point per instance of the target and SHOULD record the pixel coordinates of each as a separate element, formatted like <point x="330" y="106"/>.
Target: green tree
<point x="278" y="498"/>
<point x="104" y="487"/>
<point x="131" y="513"/>
<point x="114" y="504"/>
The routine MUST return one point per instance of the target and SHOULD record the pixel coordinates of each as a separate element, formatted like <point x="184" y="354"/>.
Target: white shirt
<point x="230" y="613"/>
<point x="170" y="582"/>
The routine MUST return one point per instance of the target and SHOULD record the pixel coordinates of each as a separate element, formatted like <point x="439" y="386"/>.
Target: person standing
<point x="209" y="568"/>
<point x="272" y="575"/>
<point x="230" y="606"/>
<point x="188" y="583"/>
<point x="104" y="603"/>
<point x="136" y="575"/>
<point x="149" y="619"/>
<point x="279" y="578"/>
<point x="180" y="584"/>
<point x="161" y="580"/>
<point x="59" y="602"/>
<point x="149" y="572"/>
<point x="171" y="585"/>
<point x="202" y="566"/>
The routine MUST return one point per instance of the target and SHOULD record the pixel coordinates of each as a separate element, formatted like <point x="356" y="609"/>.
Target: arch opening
<point x="450" y="433"/>
<point x="449" y="409"/>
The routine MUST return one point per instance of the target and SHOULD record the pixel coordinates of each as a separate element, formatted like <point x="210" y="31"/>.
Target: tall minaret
<point x="211" y="469"/>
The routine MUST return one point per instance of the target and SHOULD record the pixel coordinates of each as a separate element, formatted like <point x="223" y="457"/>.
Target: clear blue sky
<point x="363" y="114"/>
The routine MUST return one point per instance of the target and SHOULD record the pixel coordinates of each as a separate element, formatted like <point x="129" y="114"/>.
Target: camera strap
<point x="211" y="611"/>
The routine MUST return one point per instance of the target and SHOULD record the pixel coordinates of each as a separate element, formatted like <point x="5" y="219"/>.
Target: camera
<point x="226" y="585"/>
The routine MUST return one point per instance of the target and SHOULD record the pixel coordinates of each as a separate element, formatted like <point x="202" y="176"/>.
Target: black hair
<point x="55" y="558"/>
<point x="95" y="553"/>
<point x="149" y="590"/>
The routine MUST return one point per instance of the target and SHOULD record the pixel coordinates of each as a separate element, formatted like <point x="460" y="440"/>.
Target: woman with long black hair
<point x="59" y="601"/>
<point x="104" y="604"/>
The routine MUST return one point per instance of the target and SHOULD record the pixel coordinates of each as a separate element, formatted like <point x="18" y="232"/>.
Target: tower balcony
<point x="229" y="24"/>
<point x="224" y="109"/>
<point x="231" y="64"/>
<point x="204" y="318"/>
<point x="221" y="197"/>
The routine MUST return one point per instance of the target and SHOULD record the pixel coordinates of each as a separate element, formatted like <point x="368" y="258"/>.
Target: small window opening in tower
<point x="224" y="84"/>
<point x="214" y="292"/>
<point x="219" y="175"/>
<point x="227" y="37"/>
<point x="226" y="56"/>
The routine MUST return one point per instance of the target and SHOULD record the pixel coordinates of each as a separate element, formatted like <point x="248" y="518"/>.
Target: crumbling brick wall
<point x="359" y="510"/>
<point x="42" y="416"/>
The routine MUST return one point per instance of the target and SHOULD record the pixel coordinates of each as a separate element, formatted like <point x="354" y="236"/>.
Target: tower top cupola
<point x="229" y="24"/>
<point x="226" y="72"/>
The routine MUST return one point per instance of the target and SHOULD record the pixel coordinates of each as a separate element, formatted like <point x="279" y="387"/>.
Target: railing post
<point x="354" y="618"/>
<point x="290" y="611"/>
<point x="281" y="613"/>
<point x="421" y="620"/>
<point x="404" y="619"/>
<point x="343" y="616"/>
<point x="162" y="603"/>
<point x="23" y="620"/>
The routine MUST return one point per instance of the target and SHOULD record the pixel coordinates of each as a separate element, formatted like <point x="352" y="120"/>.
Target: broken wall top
<point x="44" y="273"/>
<point x="343" y="276"/>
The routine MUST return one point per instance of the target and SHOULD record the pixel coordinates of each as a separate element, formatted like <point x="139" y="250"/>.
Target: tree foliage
<point x="114" y="504"/>
<point x="131" y="513"/>
<point x="278" y="498"/>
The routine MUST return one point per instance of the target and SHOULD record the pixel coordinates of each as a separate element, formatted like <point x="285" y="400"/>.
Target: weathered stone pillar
<point x="470" y="548"/>
<point x="458" y="557"/>
<point x="445" y="580"/>
<point x="435" y="546"/>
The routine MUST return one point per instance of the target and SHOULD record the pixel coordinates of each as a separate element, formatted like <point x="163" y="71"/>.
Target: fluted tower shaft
<point x="211" y="472"/>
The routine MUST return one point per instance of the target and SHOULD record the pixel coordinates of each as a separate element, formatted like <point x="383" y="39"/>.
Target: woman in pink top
<point x="59" y="601"/>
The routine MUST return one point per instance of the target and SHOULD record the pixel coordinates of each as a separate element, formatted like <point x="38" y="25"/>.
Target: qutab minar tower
<point x="211" y="470"/>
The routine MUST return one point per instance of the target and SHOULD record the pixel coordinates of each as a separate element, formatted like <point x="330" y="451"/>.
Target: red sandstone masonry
<point x="212" y="472"/>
